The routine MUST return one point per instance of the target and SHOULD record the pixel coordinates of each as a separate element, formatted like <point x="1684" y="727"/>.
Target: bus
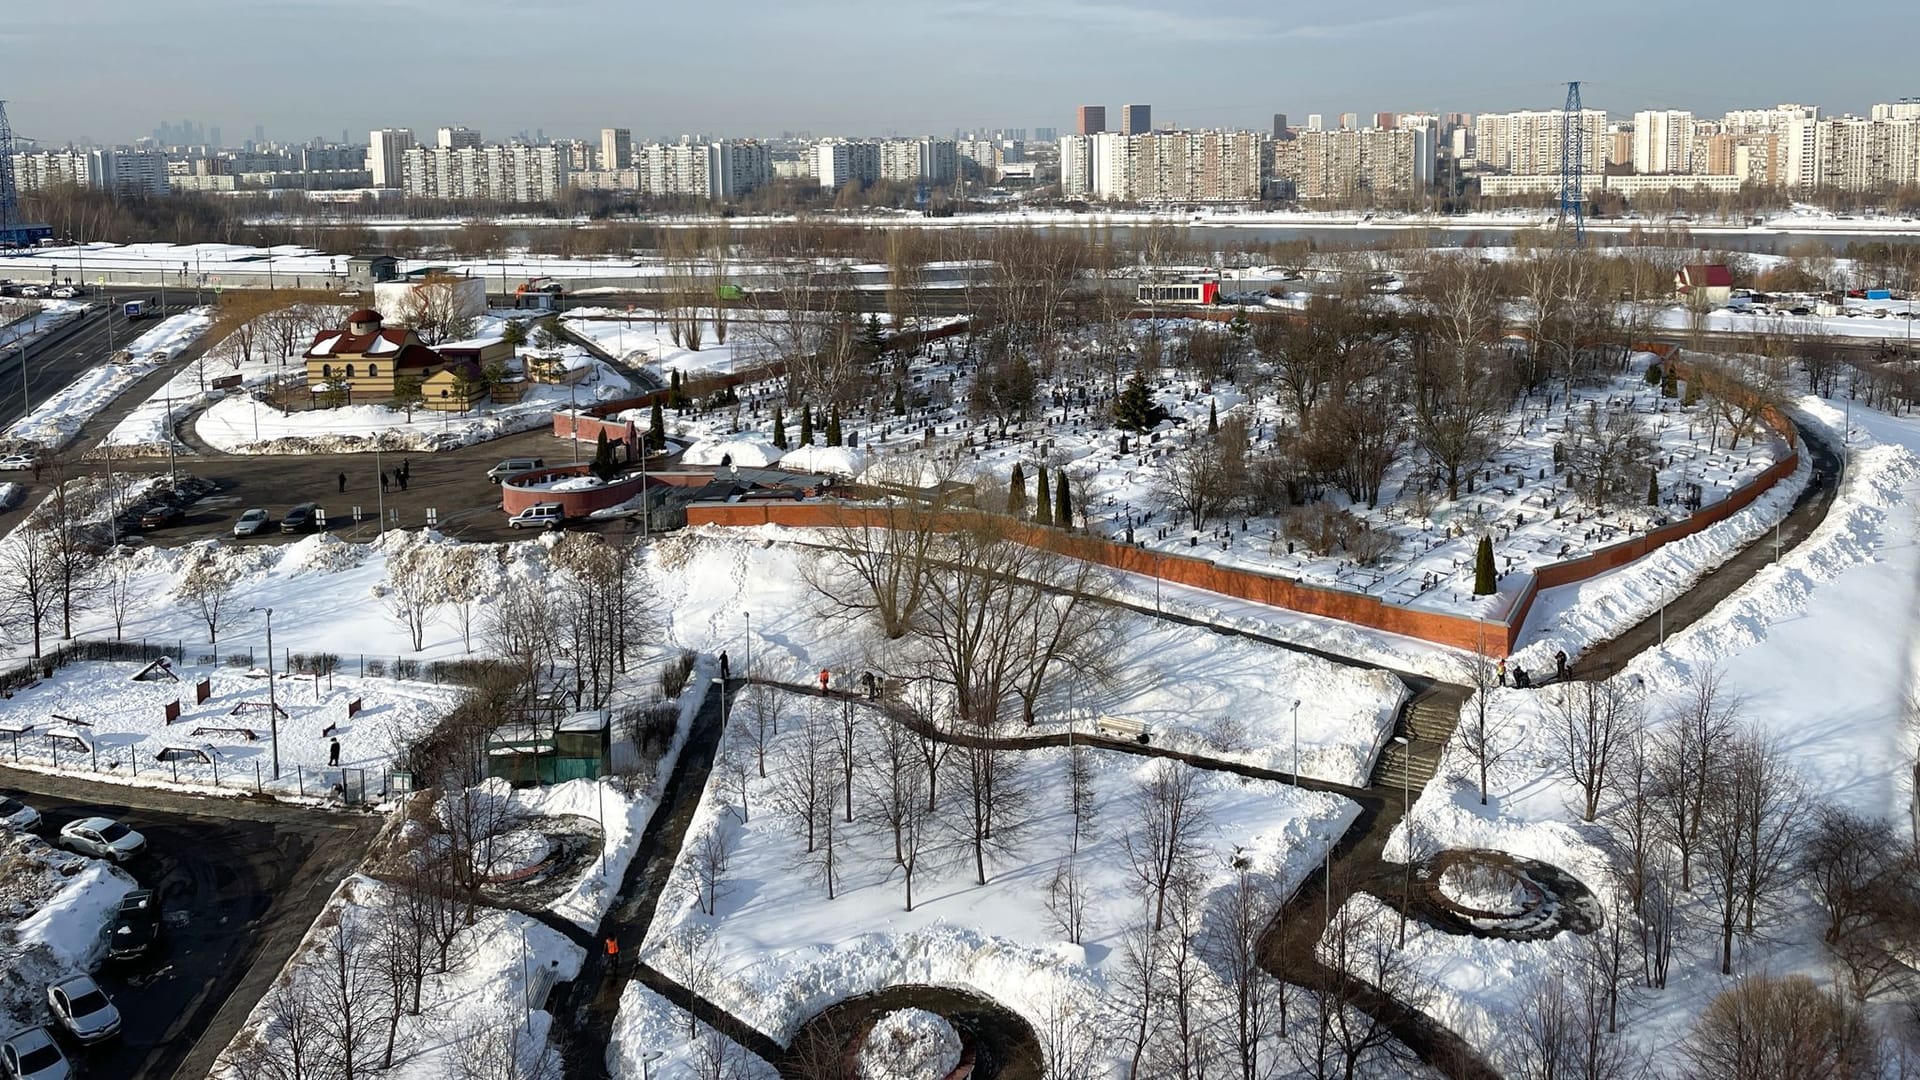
<point x="1179" y="292"/>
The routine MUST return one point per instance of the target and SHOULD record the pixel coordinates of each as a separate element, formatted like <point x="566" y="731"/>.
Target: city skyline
<point x="1014" y="65"/>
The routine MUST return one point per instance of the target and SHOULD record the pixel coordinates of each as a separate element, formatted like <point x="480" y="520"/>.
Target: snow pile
<point x="55" y="421"/>
<point x="517" y="854"/>
<point x="909" y="1044"/>
<point x="55" y="908"/>
<point x="746" y="453"/>
<point x="11" y="493"/>
<point x="655" y="1040"/>
<point x="1489" y="890"/>
<point x="836" y="460"/>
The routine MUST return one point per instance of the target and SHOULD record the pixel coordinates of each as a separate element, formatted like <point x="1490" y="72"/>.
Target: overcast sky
<point x="111" y="70"/>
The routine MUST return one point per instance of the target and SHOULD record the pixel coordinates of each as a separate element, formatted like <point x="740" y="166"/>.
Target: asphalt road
<point x="57" y="358"/>
<point x="240" y="881"/>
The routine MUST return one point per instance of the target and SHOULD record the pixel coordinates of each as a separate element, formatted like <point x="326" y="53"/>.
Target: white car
<point x="85" y="1010"/>
<point x="16" y="461"/>
<point x="34" y="292"/>
<point x="15" y="814"/>
<point x="103" y="838"/>
<point x="33" y="1055"/>
<point x="64" y="292"/>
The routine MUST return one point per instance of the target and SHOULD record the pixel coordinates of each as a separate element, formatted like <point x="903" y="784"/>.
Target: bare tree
<point x="1687" y="760"/>
<point x="412" y="591"/>
<point x="1782" y="1028"/>
<point x="708" y="856"/>
<point x="1363" y="963"/>
<point x="1082" y="800"/>
<point x="285" y="1044"/>
<point x="1200" y="479"/>
<point x="1483" y="724"/>
<point x="1162" y="843"/>
<point x="436" y="311"/>
<point x="1066" y="898"/>
<point x="118" y="590"/>
<point x="349" y="1000"/>
<point x="894" y="785"/>
<point x="759" y="722"/>
<point x="29" y="586"/>
<point x="1867" y="880"/>
<point x="1749" y="835"/>
<point x="1608" y="454"/>
<point x="990" y="797"/>
<point x="1589" y="727"/>
<point x="75" y="543"/>
<point x="1253" y="1001"/>
<point x="804" y="780"/>
<point x="207" y="586"/>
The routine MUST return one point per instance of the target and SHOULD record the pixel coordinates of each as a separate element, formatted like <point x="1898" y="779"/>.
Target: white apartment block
<point x="1663" y="141"/>
<point x="385" y="149"/>
<point x="1343" y="163"/>
<point x="934" y="161"/>
<point x="513" y="173"/>
<point x="736" y="168"/>
<point x="1766" y="121"/>
<point x="456" y="138"/>
<point x="126" y="173"/>
<point x="1529" y="142"/>
<point x="616" y="148"/>
<point x="1629" y="186"/>
<point x="52" y="168"/>
<point x="1164" y="166"/>
<point x="1904" y="109"/>
<point x="839" y="163"/>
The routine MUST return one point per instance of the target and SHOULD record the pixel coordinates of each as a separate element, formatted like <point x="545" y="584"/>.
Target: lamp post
<point x="1296" y="742"/>
<point x="748" y="615"/>
<point x="380" y="495"/>
<point x="273" y="702"/>
<point x="1406" y="802"/>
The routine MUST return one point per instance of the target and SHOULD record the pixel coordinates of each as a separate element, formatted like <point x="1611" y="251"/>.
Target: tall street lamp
<point x="273" y="703"/>
<point x="1296" y="742"/>
<point x="1406" y="802"/>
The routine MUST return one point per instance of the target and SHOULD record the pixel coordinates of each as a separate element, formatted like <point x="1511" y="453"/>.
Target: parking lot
<point x="239" y="881"/>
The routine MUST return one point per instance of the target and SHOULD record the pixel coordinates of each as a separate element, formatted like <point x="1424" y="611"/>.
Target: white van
<point x="514" y="465"/>
<point x="546" y="515"/>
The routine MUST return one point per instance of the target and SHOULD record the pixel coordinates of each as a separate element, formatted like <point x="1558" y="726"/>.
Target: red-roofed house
<point x="1709" y="283"/>
<point x="366" y="360"/>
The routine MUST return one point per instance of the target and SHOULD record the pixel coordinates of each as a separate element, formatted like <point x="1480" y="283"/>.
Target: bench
<point x="248" y="734"/>
<point x="1121" y="727"/>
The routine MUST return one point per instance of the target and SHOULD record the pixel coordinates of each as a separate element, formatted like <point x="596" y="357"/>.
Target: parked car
<point x="33" y="1055"/>
<point x="102" y="837"/>
<point x="514" y="465"/>
<point x="33" y="292"/>
<point x="252" y="523"/>
<point x="546" y="515"/>
<point x="160" y="515"/>
<point x="17" y="461"/>
<point x="302" y="518"/>
<point x="15" y="814"/>
<point x="136" y="925"/>
<point x="64" y="292"/>
<point x="85" y="1010"/>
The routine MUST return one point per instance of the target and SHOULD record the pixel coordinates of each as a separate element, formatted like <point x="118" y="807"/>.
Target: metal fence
<point x="348" y="786"/>
<point x="440" y="672"/>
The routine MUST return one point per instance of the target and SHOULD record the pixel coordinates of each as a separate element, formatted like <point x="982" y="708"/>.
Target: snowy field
<point x="645" y="341"/>
<point x="777" y="948"/>
<point x="55" y="421"/>
<point x="55" y="908"/>
<point x="654" y="1039"/>
<point x="1815" y="654"/>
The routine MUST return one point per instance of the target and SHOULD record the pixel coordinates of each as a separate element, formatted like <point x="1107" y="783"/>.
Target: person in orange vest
<point x="823" y="680"/>
<point x="613" y="955"/>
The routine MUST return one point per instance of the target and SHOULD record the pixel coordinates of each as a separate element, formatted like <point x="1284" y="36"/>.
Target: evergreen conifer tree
<point x="779" y="428"/>
<point x="1062" y="503"/>
<point x="806" y="425"/>
<point x="833" y="427"/>
<point x="1653" y="487"/>
<point x="657" y="427"/>
<point x="1042" y="499"/>
<point x="1017" y="491"/>
<point x="1213" y="419"/>
<point x="1135" y="409"/>
<point x="1483" y="584"/>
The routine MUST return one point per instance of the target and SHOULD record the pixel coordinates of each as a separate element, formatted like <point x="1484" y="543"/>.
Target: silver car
<point x="80" y="1006"/>
<point x="33" y="1055"/>
<point x="102" y="838"/>
<point x="15" y="814"/>
<point x="252" y="523"/>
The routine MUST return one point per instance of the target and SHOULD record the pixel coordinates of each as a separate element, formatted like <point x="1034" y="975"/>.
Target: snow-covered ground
<point x="55" y="908"/>
<point x="55" y="421"/>
<point x="645" y="341"/>
<point x="777" y="949"/>
<point x="653" y="1039"/>
<point x="1817" y="653"/>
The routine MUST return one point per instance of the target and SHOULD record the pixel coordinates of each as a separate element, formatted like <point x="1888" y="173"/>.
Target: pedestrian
<point x="725" y="674"/>
<point x="613" y="957"/>
<point x="406" y="472"/>
<point x="403" y="481"/>
<point x="1501" y="670"/>
<point x="823" y="681"/>
<point x="383" y="481"/>
<point x="343" y="483"/>
<point x="1560" y="665"/>
<point x="333" y="752"/>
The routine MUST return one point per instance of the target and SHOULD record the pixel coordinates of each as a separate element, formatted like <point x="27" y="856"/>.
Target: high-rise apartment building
<point x="1163" y="166"/>
<point x="1904" y="109"/>
<point x="511" y="173"/>
<point x="913" y="160"/>
<point x="842" y="162"/>
<point x="1528" y="143"/>
<point x="1349" y="162"/>
<point x="1092" y="119"/>
<point x="1774" y="120"/>
<point x="385" y="148"/>
<point x="1850" y="153"/>
<point x="616" y="148"/>
<point x="1315" y="122"/>
<point x="1136" y="119"/>
<point x="1350" y="120"/>
<point x="1663" y="141"/>
<point x="1279" y="125"/>
<point x="456" y="138"/>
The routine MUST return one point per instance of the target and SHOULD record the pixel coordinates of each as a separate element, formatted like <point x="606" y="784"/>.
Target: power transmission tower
<point x="1573" y="161"/>
<point x="13" y="233"/>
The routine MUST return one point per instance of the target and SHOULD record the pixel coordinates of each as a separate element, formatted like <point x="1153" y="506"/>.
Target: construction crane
<point x="14" y="234"/>
<point x="1573" y="162"/>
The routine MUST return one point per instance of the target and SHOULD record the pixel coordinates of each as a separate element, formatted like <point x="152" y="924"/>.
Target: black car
<point x="160" y="515"/>
<point x="302" y="518"/>
<point x="136" y="925"/>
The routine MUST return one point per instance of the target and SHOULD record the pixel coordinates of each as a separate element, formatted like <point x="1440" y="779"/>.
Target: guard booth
<point x="575" y="747"/>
